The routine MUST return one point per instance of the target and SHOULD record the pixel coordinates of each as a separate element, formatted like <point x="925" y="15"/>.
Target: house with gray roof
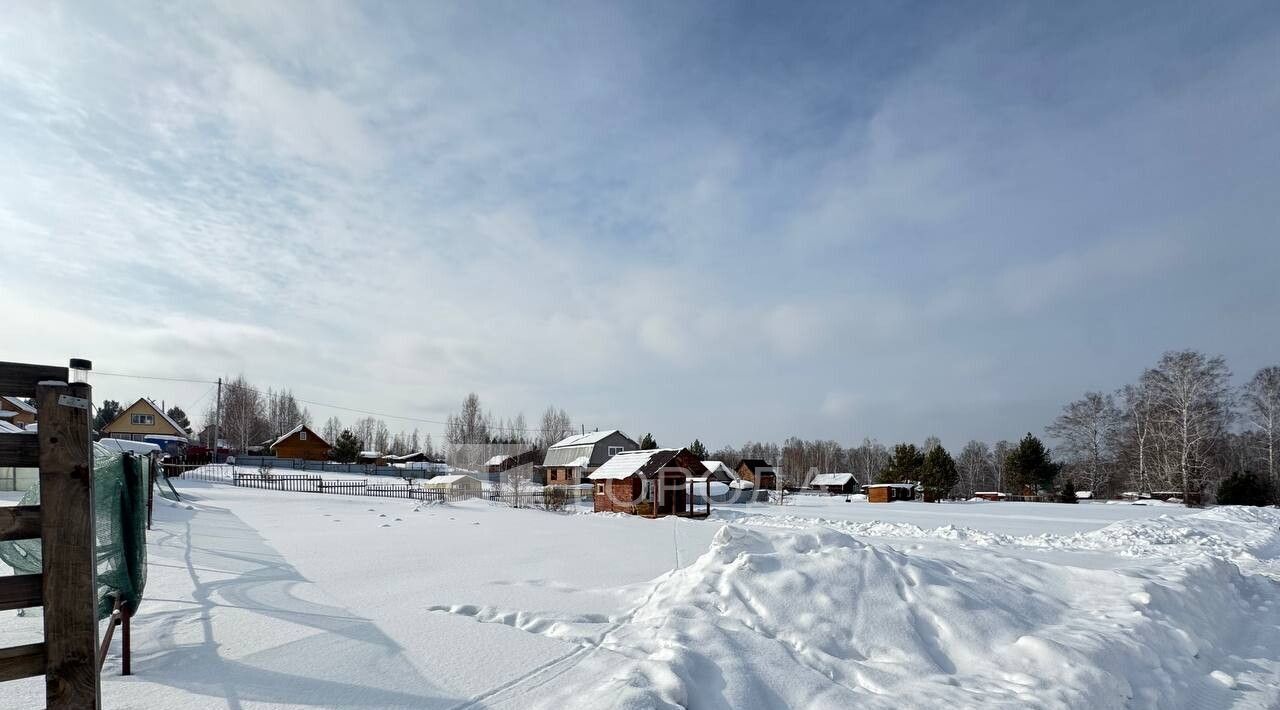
<point x="570" y="460"/>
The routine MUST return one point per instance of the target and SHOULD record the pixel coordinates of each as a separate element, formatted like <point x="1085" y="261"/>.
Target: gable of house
<point x="590" y="450"/>
<point x="17" y="412"/>
<point x="144" y="418"/>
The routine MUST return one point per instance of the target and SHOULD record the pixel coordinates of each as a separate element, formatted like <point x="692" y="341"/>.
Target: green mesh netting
<point x="120" y="485"/>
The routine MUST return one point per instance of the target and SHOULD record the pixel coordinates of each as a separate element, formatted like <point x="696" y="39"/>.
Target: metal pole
<point x="217" y="418"/>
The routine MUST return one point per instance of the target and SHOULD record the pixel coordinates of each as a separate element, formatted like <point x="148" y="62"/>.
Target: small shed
<point x="990" y="495"/>
<point x="650" y="482"/>
<point x="889" y="492"/>
<point x="373" y="458"/>
<point x="834" y="483"/>
<point x="759" y="472"/>
<point x="16" y="411"/>
<point x="301" y="443"/>
<point x="456" y="485"/>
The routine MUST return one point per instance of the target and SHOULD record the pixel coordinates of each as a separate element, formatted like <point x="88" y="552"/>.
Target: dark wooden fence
<point x="64" y="521"/>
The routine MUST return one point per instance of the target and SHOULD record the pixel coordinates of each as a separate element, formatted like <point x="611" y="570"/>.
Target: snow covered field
<point x="263" y="599"/>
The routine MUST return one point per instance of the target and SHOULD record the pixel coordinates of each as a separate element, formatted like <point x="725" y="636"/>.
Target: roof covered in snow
<point x="370" y="454"/>
<point x="645" y="463"/>
<point x="831" y="479"/>
<point x="591" y="437"/>
<point x="137" y="447"/>
<point x="450" y="479"/>
<point x="717" y="469"/>
<point x="498" y="460"/>
<point x="293" y="431"/>
<point x="8" y="428"/>
<point x="6" y="414"/>
<point x="19" y="404"/>
<point x="908" y="486"/>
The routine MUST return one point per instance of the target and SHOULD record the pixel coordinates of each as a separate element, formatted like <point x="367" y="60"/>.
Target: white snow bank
<point x="817" y="619"/>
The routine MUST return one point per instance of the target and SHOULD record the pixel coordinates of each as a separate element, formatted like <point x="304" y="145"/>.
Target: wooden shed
<point x="889" y="492"/>
<point x="759" y="472"/>
<point x="834" y="483"/>
<point x="16" y="411"/>
<point x="650" y="483"/>
<point x="301" y="443"/>
<point x="990" y="495"/>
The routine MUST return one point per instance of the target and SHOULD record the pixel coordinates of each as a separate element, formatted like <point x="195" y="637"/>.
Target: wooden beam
<point x="19" y="522"/>
<point x="21" y="450"/>
<point x="19" y="380"/>
<point x="20" y="591"/>
<point x="21" y="661"/>
<point x="67" y="533"/>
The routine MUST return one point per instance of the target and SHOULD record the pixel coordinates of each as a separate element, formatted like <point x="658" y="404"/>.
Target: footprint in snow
<point x="382" y="515"/>
<point x="385" y="525"/>
<point x="475" y="523"/>
<point x="398" y="520"/>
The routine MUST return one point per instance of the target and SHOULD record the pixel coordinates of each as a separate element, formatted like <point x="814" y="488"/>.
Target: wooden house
<point x="759" y="472"/>
<point x="456" y="485"/>
<point x="650" y="483"/>
<point x="834" y="484"/>
<point x="145" y="421"/>
<point x="301" y="443"/>
<point x="570" y="460"/>
<point x="16" y="411"/>
<point x="371" y="458"/>
<point x="889" y="492"/>
<point x="506" y="462"/>
<point x="990" y="495"/>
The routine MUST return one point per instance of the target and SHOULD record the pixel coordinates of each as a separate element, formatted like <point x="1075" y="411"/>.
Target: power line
<point x="304" y="401"/>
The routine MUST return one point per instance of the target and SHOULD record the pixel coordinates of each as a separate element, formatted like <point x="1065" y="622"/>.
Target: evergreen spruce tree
<point x="1244" y="489"/>
<point x="938" y="474"/>
<point x="1030" y="465"/>
<point x="697" y="449"/>
<point x="1068" y="494"/>
<point x="903" y="466"/>
<point x="179" y="417"/>
<point x="107" y="413"/>
<point x="648" y="442"/>
<point x="347" y="447"/>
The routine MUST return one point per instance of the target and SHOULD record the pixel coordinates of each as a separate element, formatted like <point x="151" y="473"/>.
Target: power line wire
<point x="304" y="401"/>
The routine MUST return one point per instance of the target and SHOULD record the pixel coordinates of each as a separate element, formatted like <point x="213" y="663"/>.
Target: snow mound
<point x="818" y="619"/>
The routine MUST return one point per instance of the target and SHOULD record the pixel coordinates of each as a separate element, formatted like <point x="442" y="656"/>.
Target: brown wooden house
<point x="834" y="483"/>
<point x="889" y="492"/>
<point x="16" y="411"/>
<point x="650" y="483"/>
<point x="759" y="472"/>
<point x="301" y="443"/>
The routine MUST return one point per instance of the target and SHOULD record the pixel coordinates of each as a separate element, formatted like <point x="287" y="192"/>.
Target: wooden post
<point x="67" y="532"/>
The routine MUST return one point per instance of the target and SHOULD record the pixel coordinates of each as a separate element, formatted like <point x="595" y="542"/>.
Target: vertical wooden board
<point x="67" y="531"/>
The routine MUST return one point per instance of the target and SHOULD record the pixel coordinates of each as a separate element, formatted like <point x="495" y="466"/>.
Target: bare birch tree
<point x="976" y="469"/>
<point x="1086" y="430"/>
<point x="1193" y="401"/>
<point x="1261" y="397"/>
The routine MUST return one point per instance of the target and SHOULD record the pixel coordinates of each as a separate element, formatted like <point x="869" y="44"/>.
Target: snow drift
<point x="818" y="619"/>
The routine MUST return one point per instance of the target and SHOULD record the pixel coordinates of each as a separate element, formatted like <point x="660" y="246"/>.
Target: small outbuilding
<point x="759" y="472"/>
<point x="889" y="492"/>
<point x="834" y="483"/>
<point x="371" y="458"/>
<point x="456" y="485"/>
<point x="650" y="482"/>
<point x="301" y="443"/>
<point x="16" y="411"/>
<point x="990" y="495"/>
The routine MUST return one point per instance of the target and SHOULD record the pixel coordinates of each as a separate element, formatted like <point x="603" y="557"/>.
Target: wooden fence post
<point x="68" y="542"/>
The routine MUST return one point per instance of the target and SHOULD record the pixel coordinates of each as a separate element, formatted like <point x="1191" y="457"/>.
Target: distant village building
<point x="456" y="485"/>
<point x="506" y="462"/>
<point x="759" y="472"/>
<point x="889" y="492"/>
<point x="834" y="483"/>
<point x="990" y="495"/>
<point x="301" y="443"/>
<point x="145" y="421"/>
<point x="650" y="482"/>
<point x="568" y="461"/>
<point x="371" y="458"/>
<point x="17" y="412"/>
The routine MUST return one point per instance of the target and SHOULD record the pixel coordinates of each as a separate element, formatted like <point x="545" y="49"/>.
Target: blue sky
<point x="729" y="221"/>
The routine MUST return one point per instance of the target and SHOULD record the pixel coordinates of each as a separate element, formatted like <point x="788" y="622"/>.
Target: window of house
<point x="615" y="450"/>
<point x="142" y="419"/>
<point x="302" y="436"/>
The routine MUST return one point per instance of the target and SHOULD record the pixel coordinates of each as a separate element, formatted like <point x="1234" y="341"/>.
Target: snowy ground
<point x="266" y="599"/>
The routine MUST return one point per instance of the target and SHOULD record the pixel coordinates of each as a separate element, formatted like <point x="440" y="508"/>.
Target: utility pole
<point x="217" y="418"/>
